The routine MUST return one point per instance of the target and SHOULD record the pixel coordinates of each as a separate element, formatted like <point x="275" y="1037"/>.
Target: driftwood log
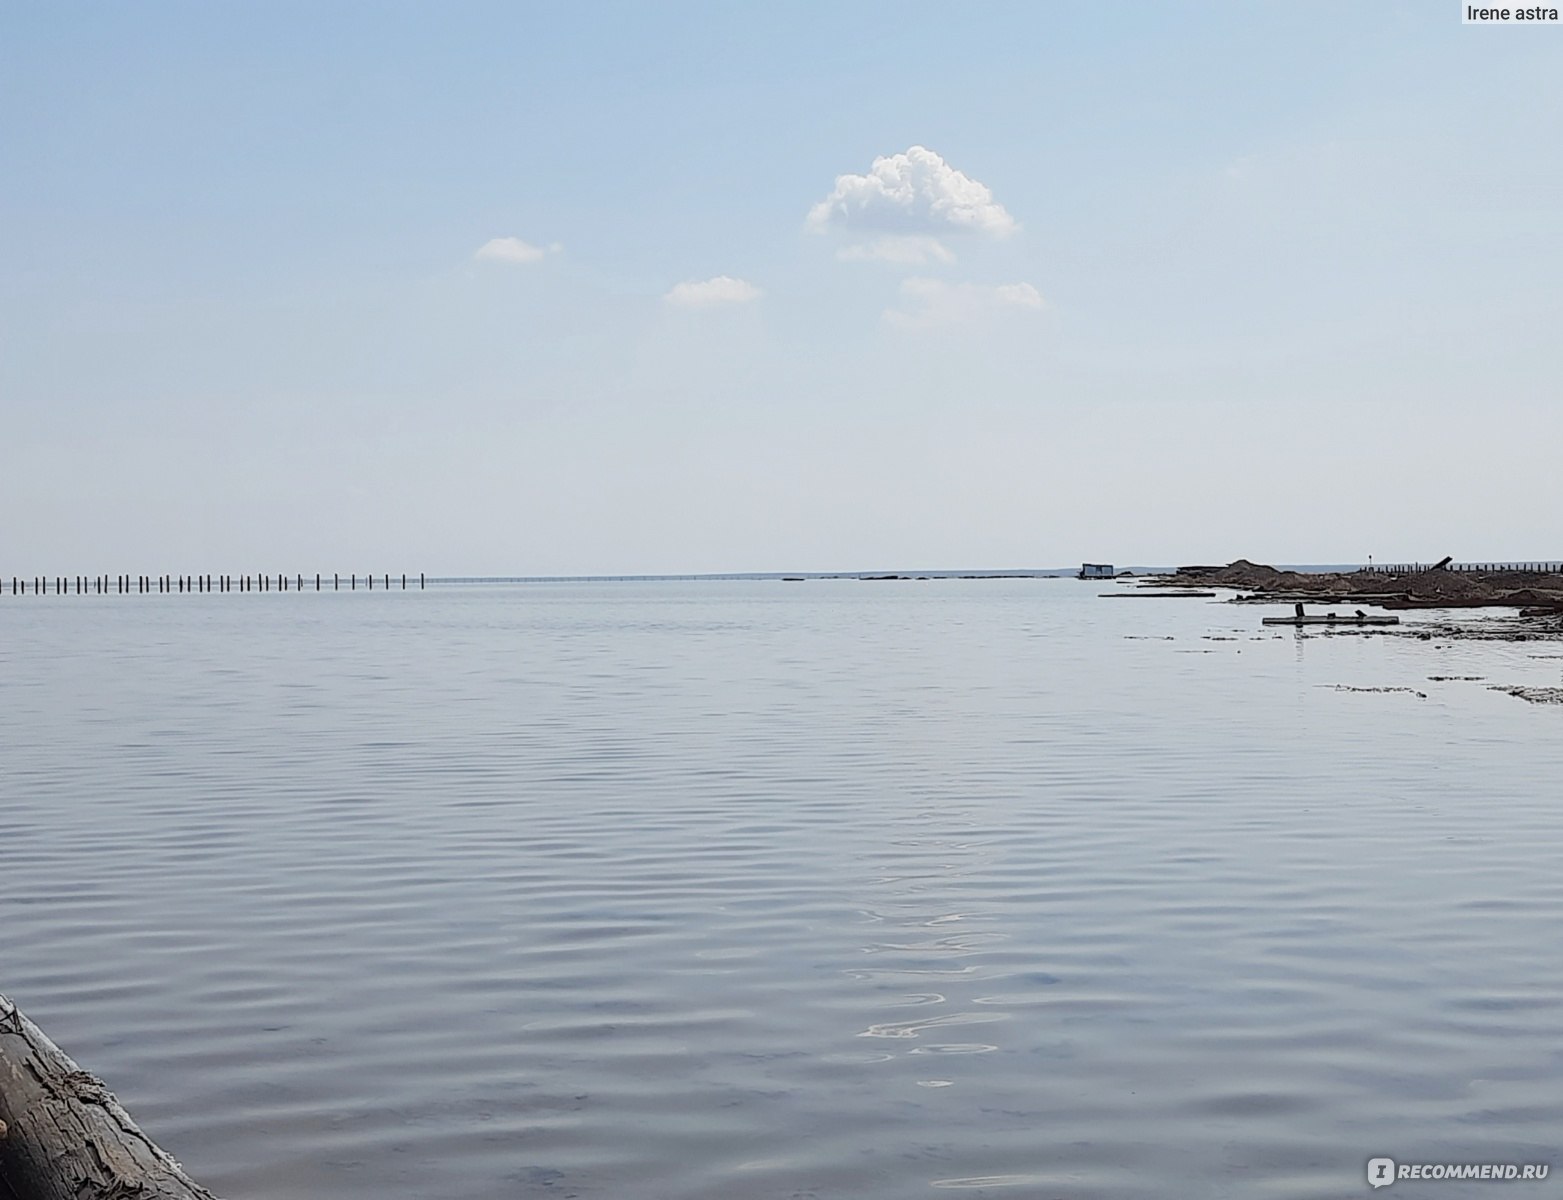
<point x="63" y="1136"/>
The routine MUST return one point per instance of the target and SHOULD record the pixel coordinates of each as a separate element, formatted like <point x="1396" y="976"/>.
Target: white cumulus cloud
<point x="705" y="293"/>
<point x="915" y="192"/>
<point x="511" y="250"/>
<point x="929" y="302"/>
<point x="907" y="250"/>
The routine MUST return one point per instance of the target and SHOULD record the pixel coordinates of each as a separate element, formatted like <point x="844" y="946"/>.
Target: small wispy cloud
<point x="1021" y="295"/>
<point x="906" y="250"/>
<point x="707" y="293"/>
<point x="914" y="192"/>
<point x="931" y="302"/>
<point x="513" y="250"/>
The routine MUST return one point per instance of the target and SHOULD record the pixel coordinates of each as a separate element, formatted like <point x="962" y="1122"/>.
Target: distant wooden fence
<point x="127" y="585"/>
<point x="1545" y="568"/>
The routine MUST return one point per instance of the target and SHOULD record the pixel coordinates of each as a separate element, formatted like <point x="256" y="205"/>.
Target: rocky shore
<point x="1535" y="593"/>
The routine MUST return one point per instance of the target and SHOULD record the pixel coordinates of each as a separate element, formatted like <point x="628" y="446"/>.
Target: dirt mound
<point x="1442" y="585"/>
<point x="1431" y="588"/>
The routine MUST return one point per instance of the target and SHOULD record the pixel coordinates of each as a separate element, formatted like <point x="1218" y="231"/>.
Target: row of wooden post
<point x="1541" y="568"/>
<point x="104" y="585"/>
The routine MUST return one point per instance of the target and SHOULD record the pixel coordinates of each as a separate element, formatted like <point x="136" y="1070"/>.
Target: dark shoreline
<point x="1533" y="592"/>
<point x="1529" y="603"/>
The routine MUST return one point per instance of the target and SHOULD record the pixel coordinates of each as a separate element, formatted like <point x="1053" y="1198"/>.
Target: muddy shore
<point x="1526" y="605"/>
<point x="1538" y="593"/>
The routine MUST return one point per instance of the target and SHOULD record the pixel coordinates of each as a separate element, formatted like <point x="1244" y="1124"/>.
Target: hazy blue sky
<point x="579" y="288"/>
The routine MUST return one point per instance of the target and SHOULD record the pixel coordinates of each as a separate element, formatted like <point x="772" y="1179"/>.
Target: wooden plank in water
<point x="1154" y="595"/>
<point x="1333" y="619"/>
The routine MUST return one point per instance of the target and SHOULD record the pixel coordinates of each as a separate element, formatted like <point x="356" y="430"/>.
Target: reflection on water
<point x="826" y="890"/>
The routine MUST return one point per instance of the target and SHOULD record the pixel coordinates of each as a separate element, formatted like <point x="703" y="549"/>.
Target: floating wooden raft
<point x="63" y="1136"/>
<point x="1356" y="618"/>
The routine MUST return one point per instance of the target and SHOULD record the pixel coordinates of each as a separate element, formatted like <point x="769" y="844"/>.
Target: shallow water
<point x="774" y="890"/>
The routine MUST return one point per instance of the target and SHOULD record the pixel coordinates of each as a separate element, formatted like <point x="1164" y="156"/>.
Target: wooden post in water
<point x="420" y="581"/>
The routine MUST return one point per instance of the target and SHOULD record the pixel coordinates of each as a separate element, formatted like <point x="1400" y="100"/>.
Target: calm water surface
<point x="784" y="891"/>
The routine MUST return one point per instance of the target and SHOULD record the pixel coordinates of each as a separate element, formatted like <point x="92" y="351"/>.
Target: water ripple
<point x="700" y="891"/>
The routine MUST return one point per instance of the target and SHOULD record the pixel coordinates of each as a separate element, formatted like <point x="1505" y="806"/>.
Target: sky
<point x="607" y="288"/>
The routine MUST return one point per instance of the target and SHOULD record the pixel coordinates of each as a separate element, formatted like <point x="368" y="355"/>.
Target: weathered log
<point x="1359" y="618"/>
<point x="63" y="1135"/>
